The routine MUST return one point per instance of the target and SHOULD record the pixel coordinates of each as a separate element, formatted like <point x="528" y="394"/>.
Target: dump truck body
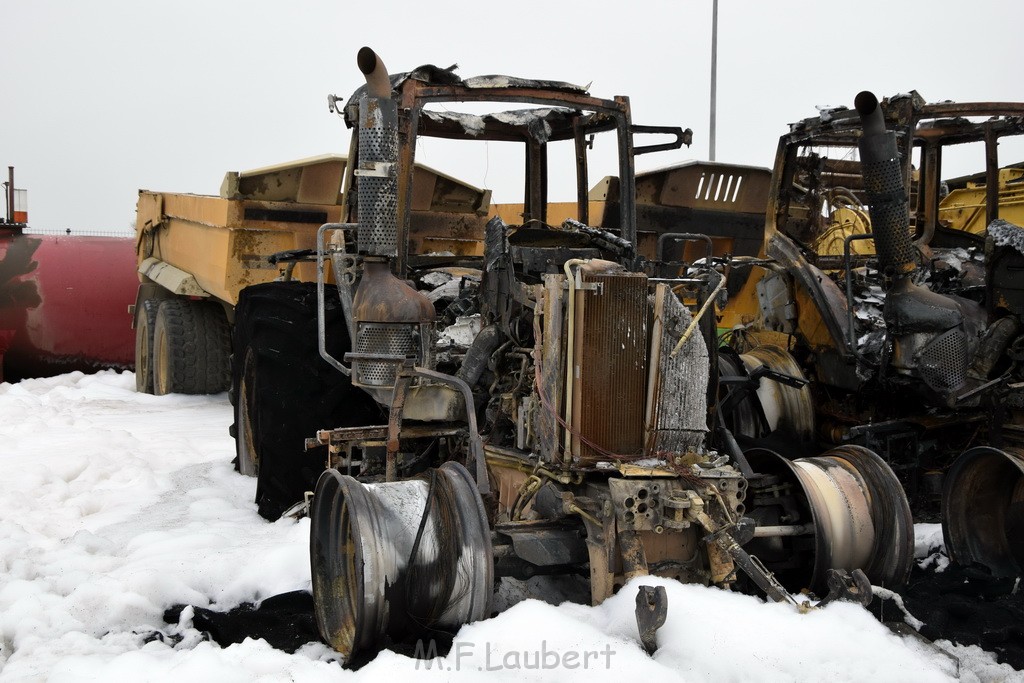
<point x="965" y="207"/>
<point x="222" y="245"/>
<point x="262" y="227"/>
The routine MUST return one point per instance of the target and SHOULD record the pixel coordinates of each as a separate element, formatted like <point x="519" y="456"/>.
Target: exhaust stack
<point x="886" y="195"/>
<point x="391" y="318"/>
<point x="927" y="328"/>
<point x="377" y="168"/>
<point x="377" y="82"/>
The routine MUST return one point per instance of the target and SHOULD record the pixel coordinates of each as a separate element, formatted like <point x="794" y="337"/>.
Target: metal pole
<point x="10" y="194"/>
<point x="714" y="75"/>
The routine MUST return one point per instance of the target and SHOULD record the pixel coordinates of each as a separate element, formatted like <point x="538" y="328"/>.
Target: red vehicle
<point x="64" y="300"/>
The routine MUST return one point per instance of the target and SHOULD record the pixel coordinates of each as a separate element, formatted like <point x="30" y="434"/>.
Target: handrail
<point x="321" y="317"/>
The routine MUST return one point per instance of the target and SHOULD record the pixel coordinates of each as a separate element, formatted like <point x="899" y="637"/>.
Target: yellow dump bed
<point x="202" y="245"/>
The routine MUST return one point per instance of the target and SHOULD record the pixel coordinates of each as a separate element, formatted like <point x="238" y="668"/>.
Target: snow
<point x="929" y="547"/>
<point x="117" y="505"/>
<point x="1006" y="234"/>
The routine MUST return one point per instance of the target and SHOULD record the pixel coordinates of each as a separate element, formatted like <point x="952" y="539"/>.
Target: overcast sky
<point x="105" y="97"/>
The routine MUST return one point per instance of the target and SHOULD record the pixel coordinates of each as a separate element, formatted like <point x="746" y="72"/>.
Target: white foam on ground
<point x="116" y="505"/>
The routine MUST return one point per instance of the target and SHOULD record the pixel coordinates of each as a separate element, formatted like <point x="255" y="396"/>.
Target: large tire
<point x="284" y="392"/>
<point x="145" y="324"/>
<point x="190" y="348"/>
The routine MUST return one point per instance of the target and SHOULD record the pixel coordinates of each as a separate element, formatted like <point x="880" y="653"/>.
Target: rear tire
<point x="284" y="392"/>
<point x="145" y="325"/>
<point x="190" y="348"/>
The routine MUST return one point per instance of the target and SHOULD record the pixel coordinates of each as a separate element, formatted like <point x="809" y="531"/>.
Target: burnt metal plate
<point x="544" y="544"/>
<point x="637" y="504"/>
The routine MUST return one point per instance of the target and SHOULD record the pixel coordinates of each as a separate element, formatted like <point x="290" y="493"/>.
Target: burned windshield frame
<point x="572" y="117"/>
<point x="925" y="128"/>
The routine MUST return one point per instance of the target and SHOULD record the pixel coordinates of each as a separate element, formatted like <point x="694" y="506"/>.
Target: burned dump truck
<point x="902" y="307"/>
<point x="547" y="407"/>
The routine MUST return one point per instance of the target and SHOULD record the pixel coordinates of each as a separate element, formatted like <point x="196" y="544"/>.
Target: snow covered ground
<point x="115" y="506"/>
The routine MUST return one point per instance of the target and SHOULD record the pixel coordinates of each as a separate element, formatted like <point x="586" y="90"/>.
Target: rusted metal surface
<point x="395" y="427"/>
<point x="726" y="202"/>
<point x="983" y="503"/>
<point x="438" y="231"/>
<point x="558" y="124"/>
<point x="390" y="318"/>
<point x="377" y="434"/>
<point x="610" y="368"/>
<point x="705" y="185"/>
<point x="551" y="366"/>
<point x="64" y="303"/>
<point x="383" y="298"/>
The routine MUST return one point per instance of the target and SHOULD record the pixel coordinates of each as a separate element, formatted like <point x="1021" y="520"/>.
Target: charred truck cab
<point x="897" y="291"/>
<point x="548" y="398"/>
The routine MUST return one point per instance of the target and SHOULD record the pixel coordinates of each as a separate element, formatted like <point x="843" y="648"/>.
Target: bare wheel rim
<point x="161" y="363"/>
<point x="248" y="456"/>
<point x="983" y="509"/>
<point x="145" y="326"/>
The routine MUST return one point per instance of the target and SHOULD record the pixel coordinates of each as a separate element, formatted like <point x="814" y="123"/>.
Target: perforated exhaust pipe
<point x="926" y="327"/>
<point x="377" y="171"/>
<point x="390" y="315"/>
<point x="886" y="195"/>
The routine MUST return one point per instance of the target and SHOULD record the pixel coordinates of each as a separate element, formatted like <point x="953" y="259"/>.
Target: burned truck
<point x="545" y="407"/>
<point x="900" y="317"/>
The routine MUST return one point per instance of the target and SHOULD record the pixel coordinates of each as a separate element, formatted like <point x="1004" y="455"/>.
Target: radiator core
<point x="609" y="367"/>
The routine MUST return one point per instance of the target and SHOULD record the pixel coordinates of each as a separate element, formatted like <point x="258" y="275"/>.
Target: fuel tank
<point x="64" y="303"/>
